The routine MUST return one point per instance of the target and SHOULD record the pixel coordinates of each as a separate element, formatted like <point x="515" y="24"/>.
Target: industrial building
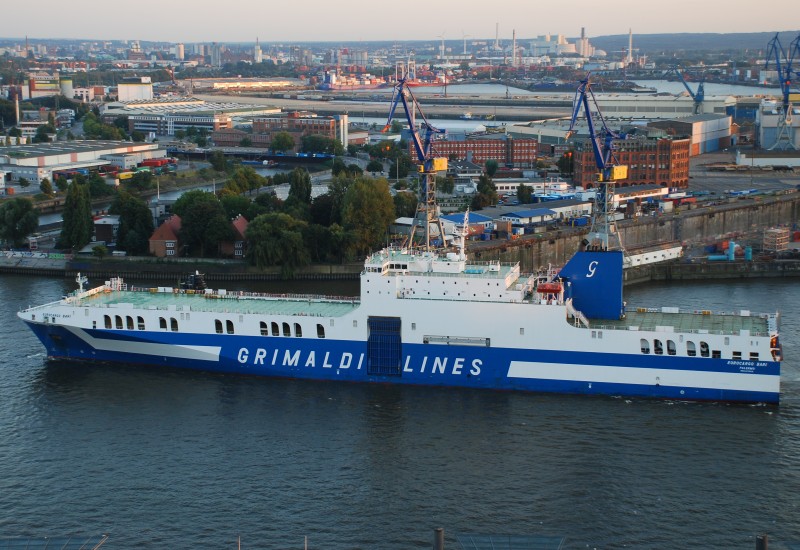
<point x="661" y="161"/>
<point x="237" y="84"/>
<point x="296" y="124"/>
<point x="775" y="134"/>
<point x="38" y="161"/>
<point x="504" y="148"/>
<point x="709" y="132"/>
<point x="166" y="116"/>
<point x="132" y="89"/>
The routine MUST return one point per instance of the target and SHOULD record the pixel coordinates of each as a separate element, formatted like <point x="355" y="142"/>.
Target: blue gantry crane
<point x="784" y="65"/>
<point x="697" y="96"/>
<point x="603" y="235"/>
<point x="427" y="215"/>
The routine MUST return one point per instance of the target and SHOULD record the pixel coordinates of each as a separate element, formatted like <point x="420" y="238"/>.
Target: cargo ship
<point x="432" y="318"/>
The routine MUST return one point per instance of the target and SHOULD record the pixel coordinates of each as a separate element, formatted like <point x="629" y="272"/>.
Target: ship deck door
<point x="384" y="346"/>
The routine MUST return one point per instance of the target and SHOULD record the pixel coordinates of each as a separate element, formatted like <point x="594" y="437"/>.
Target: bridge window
<point x="737" y="354"/>
<point x="287" y="331"/>
<point x="658" y="347"/>
<point x="129" y="321"/>
<point x="716" y="354"/>
<point x="107" y="319"/>
<point x="703" y="349"/>
<point x="671" y="347"/>
<point x="173" y="324"/>
<point x="140" y="323"/>
<point x="264" y="328"/>
<point x="275" y="330"/>
<point x="754" y="356"/>
<point x="298" y="332"/>
<point x="645" y="345"/>
<point x="229" y="326"/>
<point x="691" y="350"/>
<point x="162" y="323"/>
<point x="118" y="320"/>
<point x="218" y="326"/>
<point x="320" y="331"/>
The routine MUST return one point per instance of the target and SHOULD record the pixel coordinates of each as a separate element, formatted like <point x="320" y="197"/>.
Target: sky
<point x="349" y="21"/>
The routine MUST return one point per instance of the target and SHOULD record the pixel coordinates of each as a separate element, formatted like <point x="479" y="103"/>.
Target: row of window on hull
<point x="691" y="350"/>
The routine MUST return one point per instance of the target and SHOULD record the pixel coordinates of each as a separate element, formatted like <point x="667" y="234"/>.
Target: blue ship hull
<point x="466" y="366"/>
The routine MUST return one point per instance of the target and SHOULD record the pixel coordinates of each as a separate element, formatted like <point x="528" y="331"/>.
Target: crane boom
<point x="783" y="64"/>
<point x="427" y="215"/>
<point x="603" y="227"/>
<point x="697" y="96"/>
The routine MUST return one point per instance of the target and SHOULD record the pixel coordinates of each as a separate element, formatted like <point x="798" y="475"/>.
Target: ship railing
<point x="666" y="309"/>
<point x="675" y="330"/>
<point x="238" y="295"/>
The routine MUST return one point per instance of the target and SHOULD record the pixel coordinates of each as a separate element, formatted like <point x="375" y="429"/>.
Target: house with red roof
<point x="164" y="241"/>
<point x="237" y="247"/>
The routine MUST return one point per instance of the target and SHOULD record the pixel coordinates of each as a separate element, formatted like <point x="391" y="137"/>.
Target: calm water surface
<point x="161" y="458"/>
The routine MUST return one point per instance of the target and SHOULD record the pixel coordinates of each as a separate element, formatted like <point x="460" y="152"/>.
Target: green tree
<point x="368" y="211"/>
<point x="76" y="230"/>
<point x="445" y="184"/>
<point x="246" y="142"/>
<point x="204" y="224"/>
<point x="18" y="219"/>
<point x="487" y="193"/>
<point x="43" y="133"/>
<point x="338" y="167"/>
<point x="62" y="183"/>
<point x="100" y="251"/>
<point x="400" y="168"/>
<point x="137" y="136"/>
<point x="397" y="127"/>
<point x="374" y="166"/>
<point x="300" y="186"/>
<point x="98" y="186"/>
<point x="524" y="194"/>
<point x="355" y="169"/>
<point x="276" y="239"/>
<point x="405" y="204"/>
<point x="218" y="161"/>
<point x="24" y="182"/>
<point x="46" y="187"/>
<point x="322" y="144"/>
<point x="566" y="164"/>
<point x="135" y="223"/>
<point x="235" y="205"/>
<point x="282" y="141"/>
<point x="491" y="167"/>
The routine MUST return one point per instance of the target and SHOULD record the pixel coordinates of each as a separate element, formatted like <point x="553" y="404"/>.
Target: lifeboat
<point x="549" y="288"/>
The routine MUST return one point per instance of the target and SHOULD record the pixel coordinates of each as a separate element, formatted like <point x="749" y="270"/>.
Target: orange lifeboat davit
<point x="549" y="288"/>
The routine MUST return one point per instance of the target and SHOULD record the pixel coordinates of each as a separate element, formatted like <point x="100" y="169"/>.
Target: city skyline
<point x="353" y="21"/>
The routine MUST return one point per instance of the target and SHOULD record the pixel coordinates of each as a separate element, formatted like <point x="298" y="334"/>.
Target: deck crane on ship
<point x="783" y="64"/>
<point x="603" y="235"/>
<point x="427" y="214"/>
<point x="697" y="96"/>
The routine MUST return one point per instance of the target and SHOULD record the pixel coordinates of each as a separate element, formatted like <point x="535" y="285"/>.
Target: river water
<point x="161" y="458"/>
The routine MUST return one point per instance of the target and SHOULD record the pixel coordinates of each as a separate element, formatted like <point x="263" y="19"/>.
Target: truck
<point x="154" y="162"/>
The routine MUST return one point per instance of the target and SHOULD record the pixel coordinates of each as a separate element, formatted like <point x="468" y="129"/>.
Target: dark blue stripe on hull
<point x="433" y="365"/>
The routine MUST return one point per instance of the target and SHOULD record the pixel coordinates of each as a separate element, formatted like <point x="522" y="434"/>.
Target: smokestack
<point x="514" y="48"/>
<point x="497" y="36"/>
<point x="16" y="107"/>
<point x="630" y="47"/>
<point x="583" y="33"/>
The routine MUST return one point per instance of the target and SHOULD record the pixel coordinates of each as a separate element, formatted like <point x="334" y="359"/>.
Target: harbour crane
<point x="783" y="64"/>
<point x="603" y="235"/>
<point x="427" y="214"/>
<point x="697" y="96"/>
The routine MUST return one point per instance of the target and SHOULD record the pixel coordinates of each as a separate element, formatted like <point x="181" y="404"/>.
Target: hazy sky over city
<point x="355" y="20"/>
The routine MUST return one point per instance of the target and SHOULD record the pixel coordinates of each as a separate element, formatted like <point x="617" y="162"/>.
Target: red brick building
<point x="164" y="240"/>
<point x="236" y="248"/>
<point x="507" y="151"/>
<point x="656" y="161"/>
